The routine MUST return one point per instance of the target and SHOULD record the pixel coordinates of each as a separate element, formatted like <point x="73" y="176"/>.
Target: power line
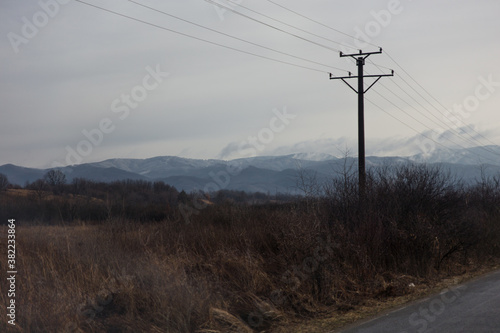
<point x="271" y="26"/>
<point x="431" y="113"/>
<point x="407" y="125"/>
<point x="291" y="26"/>
<point x="197" y="38"/>
<point x="399" y="108"/>
<point x="426" y="116"/>
<point x="261" y="56"/>
<point x="390" y="57"/>
<point x="435" y="99"/>
<point x="396" y="118"/>
<point x="456" y="132"/>
<point x="402" y="110"/>
<point x="378" y="65"/>
<point x="473" y="140"/>
<point x="234" y="37"/>
<point x="322" y="24"/>
<point x="413" y="107"/>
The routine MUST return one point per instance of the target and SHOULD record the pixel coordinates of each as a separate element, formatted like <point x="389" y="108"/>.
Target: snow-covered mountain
<point x="468" y="156"/>
<point x="159" y="167"/>
<point x="264" y="173"/>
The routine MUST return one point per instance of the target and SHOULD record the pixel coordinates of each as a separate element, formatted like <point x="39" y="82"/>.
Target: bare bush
<point x="55" y="179"/>
<point x="241" y="266"/>
<point x="4" y="182"/>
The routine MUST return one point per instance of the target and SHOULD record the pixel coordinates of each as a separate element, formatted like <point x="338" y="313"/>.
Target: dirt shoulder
<point x="334" y="321"/>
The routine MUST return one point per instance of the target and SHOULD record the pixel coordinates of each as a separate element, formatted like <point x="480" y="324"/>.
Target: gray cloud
<point x="64" y="79"/>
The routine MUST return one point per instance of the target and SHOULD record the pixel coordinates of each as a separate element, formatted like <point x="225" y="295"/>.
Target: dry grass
<point x="171" y="277"/>
<point x="304" y="267"/>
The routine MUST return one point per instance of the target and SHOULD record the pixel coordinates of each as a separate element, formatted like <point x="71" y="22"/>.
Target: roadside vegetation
<point x="125" y="256"/>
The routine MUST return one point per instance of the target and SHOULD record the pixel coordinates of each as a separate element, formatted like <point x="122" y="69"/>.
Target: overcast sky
<point x="79" y="84"/>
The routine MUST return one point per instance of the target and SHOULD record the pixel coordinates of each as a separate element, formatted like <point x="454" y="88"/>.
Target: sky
<point x="80" y="84"/>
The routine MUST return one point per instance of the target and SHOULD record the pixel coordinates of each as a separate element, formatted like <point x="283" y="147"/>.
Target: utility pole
<point x="360" y="62"/>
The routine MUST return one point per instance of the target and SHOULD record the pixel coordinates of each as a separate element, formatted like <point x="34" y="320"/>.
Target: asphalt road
<point x="471" y="307"/>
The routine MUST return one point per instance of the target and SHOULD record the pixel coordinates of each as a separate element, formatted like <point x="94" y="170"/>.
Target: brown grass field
<point x="306" y="266"/>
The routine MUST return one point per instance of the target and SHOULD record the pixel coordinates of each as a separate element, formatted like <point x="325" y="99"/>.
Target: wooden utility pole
<point x="360" y="62"/>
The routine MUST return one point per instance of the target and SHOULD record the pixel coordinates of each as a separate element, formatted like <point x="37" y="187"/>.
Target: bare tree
<point x="4" y="182"/>
<point x="307" y="182"/>
<point x="55" y="179"/>
<point x="39" y="187"/>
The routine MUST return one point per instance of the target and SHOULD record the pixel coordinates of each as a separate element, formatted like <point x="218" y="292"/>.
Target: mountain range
<point x="268" y="174"/>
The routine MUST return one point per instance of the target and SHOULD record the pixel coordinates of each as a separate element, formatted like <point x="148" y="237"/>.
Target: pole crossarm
<point x="344" y="78"/>
<point x="360" y="54"/>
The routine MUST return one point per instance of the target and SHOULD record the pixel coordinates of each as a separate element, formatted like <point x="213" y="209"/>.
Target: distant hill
<point x="269" y="174"/>
<point x="19" y="175"/>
